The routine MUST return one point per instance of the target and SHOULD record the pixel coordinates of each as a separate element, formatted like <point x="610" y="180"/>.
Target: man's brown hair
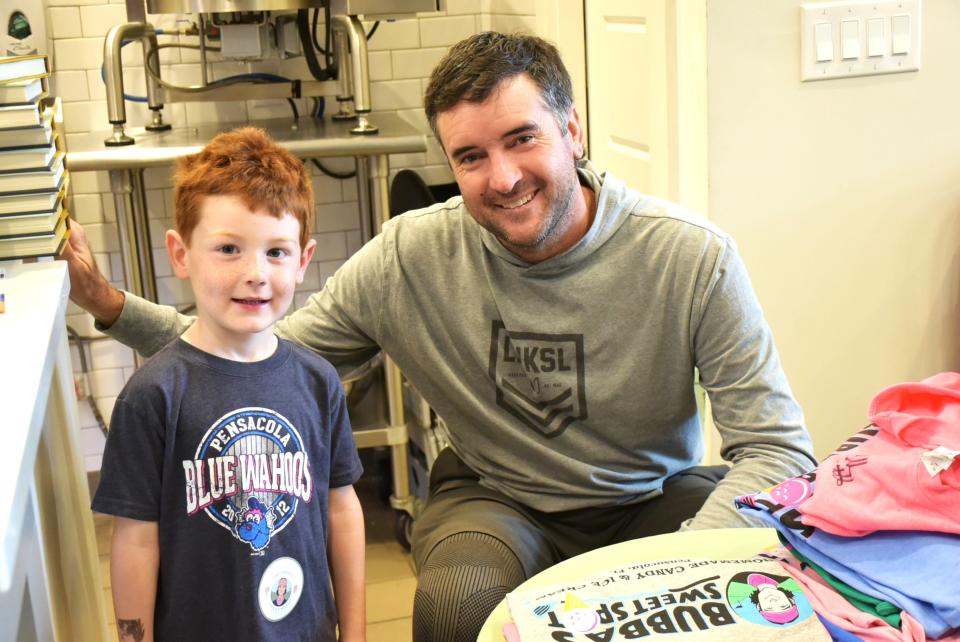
<point x="248" y="164"/>
<point x="475" y="67"/>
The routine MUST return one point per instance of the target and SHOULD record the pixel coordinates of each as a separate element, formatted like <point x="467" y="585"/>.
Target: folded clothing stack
<point x="873" y="533"/>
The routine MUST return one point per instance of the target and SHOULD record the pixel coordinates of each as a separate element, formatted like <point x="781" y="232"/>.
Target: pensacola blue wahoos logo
<point x="249" y="474"/>
<point x="539" y="377"/>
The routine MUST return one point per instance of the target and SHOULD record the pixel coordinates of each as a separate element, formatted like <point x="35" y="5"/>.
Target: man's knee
<point x="459" y="583"/>
<point x="683" y="495"/>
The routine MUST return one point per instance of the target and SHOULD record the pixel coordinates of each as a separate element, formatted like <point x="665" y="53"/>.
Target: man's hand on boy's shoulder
<point x="88" y="287"/>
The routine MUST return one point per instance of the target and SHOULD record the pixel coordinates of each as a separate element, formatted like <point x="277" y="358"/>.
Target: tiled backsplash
<point x="401" y="56"/>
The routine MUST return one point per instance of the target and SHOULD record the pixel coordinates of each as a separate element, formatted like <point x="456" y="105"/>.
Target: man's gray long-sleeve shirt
<point x="570" y="382"/>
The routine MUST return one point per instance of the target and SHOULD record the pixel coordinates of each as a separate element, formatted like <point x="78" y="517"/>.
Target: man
<point x="554" y="318"/>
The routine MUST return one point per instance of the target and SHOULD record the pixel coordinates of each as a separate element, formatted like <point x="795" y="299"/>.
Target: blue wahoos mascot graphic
<point x="249" y="474"/>
<point x="254" y="525"/>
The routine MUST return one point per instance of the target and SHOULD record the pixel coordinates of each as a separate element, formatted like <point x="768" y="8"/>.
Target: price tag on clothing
<point x="938" y="459"/>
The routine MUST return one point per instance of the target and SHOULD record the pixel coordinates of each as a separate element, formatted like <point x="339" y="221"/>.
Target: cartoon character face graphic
<point x="792" y="492"/>
<point x="255" y="524"/>
<point x="580" y="620"/>
<point x="775" y="603"/>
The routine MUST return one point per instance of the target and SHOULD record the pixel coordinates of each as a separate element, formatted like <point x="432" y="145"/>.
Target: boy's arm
<point x="134" y="568"/>
<point x="346" y="550"/>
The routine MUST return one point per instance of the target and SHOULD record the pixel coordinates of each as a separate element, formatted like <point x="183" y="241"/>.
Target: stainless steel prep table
<point x="305" y="138"/>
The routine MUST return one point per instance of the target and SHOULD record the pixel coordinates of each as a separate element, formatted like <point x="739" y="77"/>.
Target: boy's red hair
<point x="248" y="164"/>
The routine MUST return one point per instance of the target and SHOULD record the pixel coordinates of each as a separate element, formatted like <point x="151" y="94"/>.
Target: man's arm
<point x="146" y="327"/>
<point x="340" y="322"/>
<point x="134" y="568"/>
<point x="760" y="423"/>
<point x="346" y="550"/>
<point x="88" y="287"/>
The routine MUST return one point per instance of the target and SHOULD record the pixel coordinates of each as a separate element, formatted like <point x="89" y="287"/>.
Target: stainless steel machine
<point x="254" y="30"/>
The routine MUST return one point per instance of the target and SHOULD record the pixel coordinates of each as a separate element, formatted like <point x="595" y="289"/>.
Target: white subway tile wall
<point x="96" y="20"/>
<point x="416" y="63"/>
<point x="71" y="86"/>
<point x="443" y="32"/>
<point x="507" y="22"/>
<point x="65" y="22"/>
<point x="401" y="55"/>
<point x="380" y="66"/>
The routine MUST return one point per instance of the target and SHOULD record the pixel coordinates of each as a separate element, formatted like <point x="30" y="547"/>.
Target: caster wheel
<point x="403" y="529"/>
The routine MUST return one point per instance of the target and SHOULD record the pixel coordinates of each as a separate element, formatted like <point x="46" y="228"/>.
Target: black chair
<point x="409" y="192"/>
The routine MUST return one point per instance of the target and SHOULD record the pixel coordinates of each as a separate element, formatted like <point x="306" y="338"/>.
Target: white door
<point x="627" y="91"/>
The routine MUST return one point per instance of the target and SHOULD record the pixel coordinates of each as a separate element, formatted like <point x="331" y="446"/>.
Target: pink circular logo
<point x="581" y="620"/>
<point x="792" y="492"/>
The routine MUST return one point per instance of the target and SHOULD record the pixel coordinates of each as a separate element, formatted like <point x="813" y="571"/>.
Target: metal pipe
<point x="367" y="222"/>
<point x="399" y="453"/>
<point x="245" y="91"/>
<point x="129" y="201"/>
<point x="203" y="51"/>
<point x="341" y="51"/>
<point x="113" y="63"/>
<point x="149" y="42"/>
<point x="138" y="199"/>
<point x="344" y="75"/>
<point x="351" y="28"/>
<point x="120" y="185"/>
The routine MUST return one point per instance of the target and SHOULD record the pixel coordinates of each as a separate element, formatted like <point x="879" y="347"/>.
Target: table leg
<point x="367" y="223"/>
<point x="379" y="170"/>
<point x="378" y="176"/>
<point x="141" y="225"/>
<point x="130" y="202"/>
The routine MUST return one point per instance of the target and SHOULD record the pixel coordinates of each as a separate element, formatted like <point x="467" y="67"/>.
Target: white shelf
<point x="48" y="553"/>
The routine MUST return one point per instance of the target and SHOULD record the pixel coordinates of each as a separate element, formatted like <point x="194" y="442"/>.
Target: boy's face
<point x="243" y="266"/>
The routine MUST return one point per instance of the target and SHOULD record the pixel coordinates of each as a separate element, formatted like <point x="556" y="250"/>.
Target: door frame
<point x="563" y="23"/>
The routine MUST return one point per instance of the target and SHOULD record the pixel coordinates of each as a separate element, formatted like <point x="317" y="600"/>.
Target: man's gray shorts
<point x="458" y="504"/>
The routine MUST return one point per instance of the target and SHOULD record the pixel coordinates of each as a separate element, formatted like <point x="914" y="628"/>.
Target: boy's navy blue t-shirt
<point x="234" y="460"/>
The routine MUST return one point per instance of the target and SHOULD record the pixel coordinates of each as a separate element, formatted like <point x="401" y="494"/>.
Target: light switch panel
<point x="859" y="38"/>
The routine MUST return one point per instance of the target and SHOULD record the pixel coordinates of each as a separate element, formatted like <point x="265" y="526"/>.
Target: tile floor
<point x="390" y="577"/>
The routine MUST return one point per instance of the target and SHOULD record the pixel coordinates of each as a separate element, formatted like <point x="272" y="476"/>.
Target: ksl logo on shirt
<point x="539" y="377"/>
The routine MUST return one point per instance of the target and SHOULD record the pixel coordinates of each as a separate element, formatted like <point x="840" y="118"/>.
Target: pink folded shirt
<point x="832" y="606"/>
<point x="878" y="480"/>
<point x="925" y="414"/>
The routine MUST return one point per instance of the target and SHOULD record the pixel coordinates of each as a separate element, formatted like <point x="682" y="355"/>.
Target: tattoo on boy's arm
<point x="130" y="629"/>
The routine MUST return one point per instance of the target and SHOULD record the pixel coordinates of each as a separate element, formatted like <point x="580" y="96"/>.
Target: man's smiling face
<point x="515" y="167"/>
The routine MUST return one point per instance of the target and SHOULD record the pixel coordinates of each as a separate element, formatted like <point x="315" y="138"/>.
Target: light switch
<point x="823" y="34"/>
<point x="850" y="39"/>
<point x="875" y="41"/>
<point x="901" y="35"/>
<point x="847" y="38"/>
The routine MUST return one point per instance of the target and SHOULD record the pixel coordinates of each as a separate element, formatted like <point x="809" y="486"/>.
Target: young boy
<point x="223" y="446"/>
